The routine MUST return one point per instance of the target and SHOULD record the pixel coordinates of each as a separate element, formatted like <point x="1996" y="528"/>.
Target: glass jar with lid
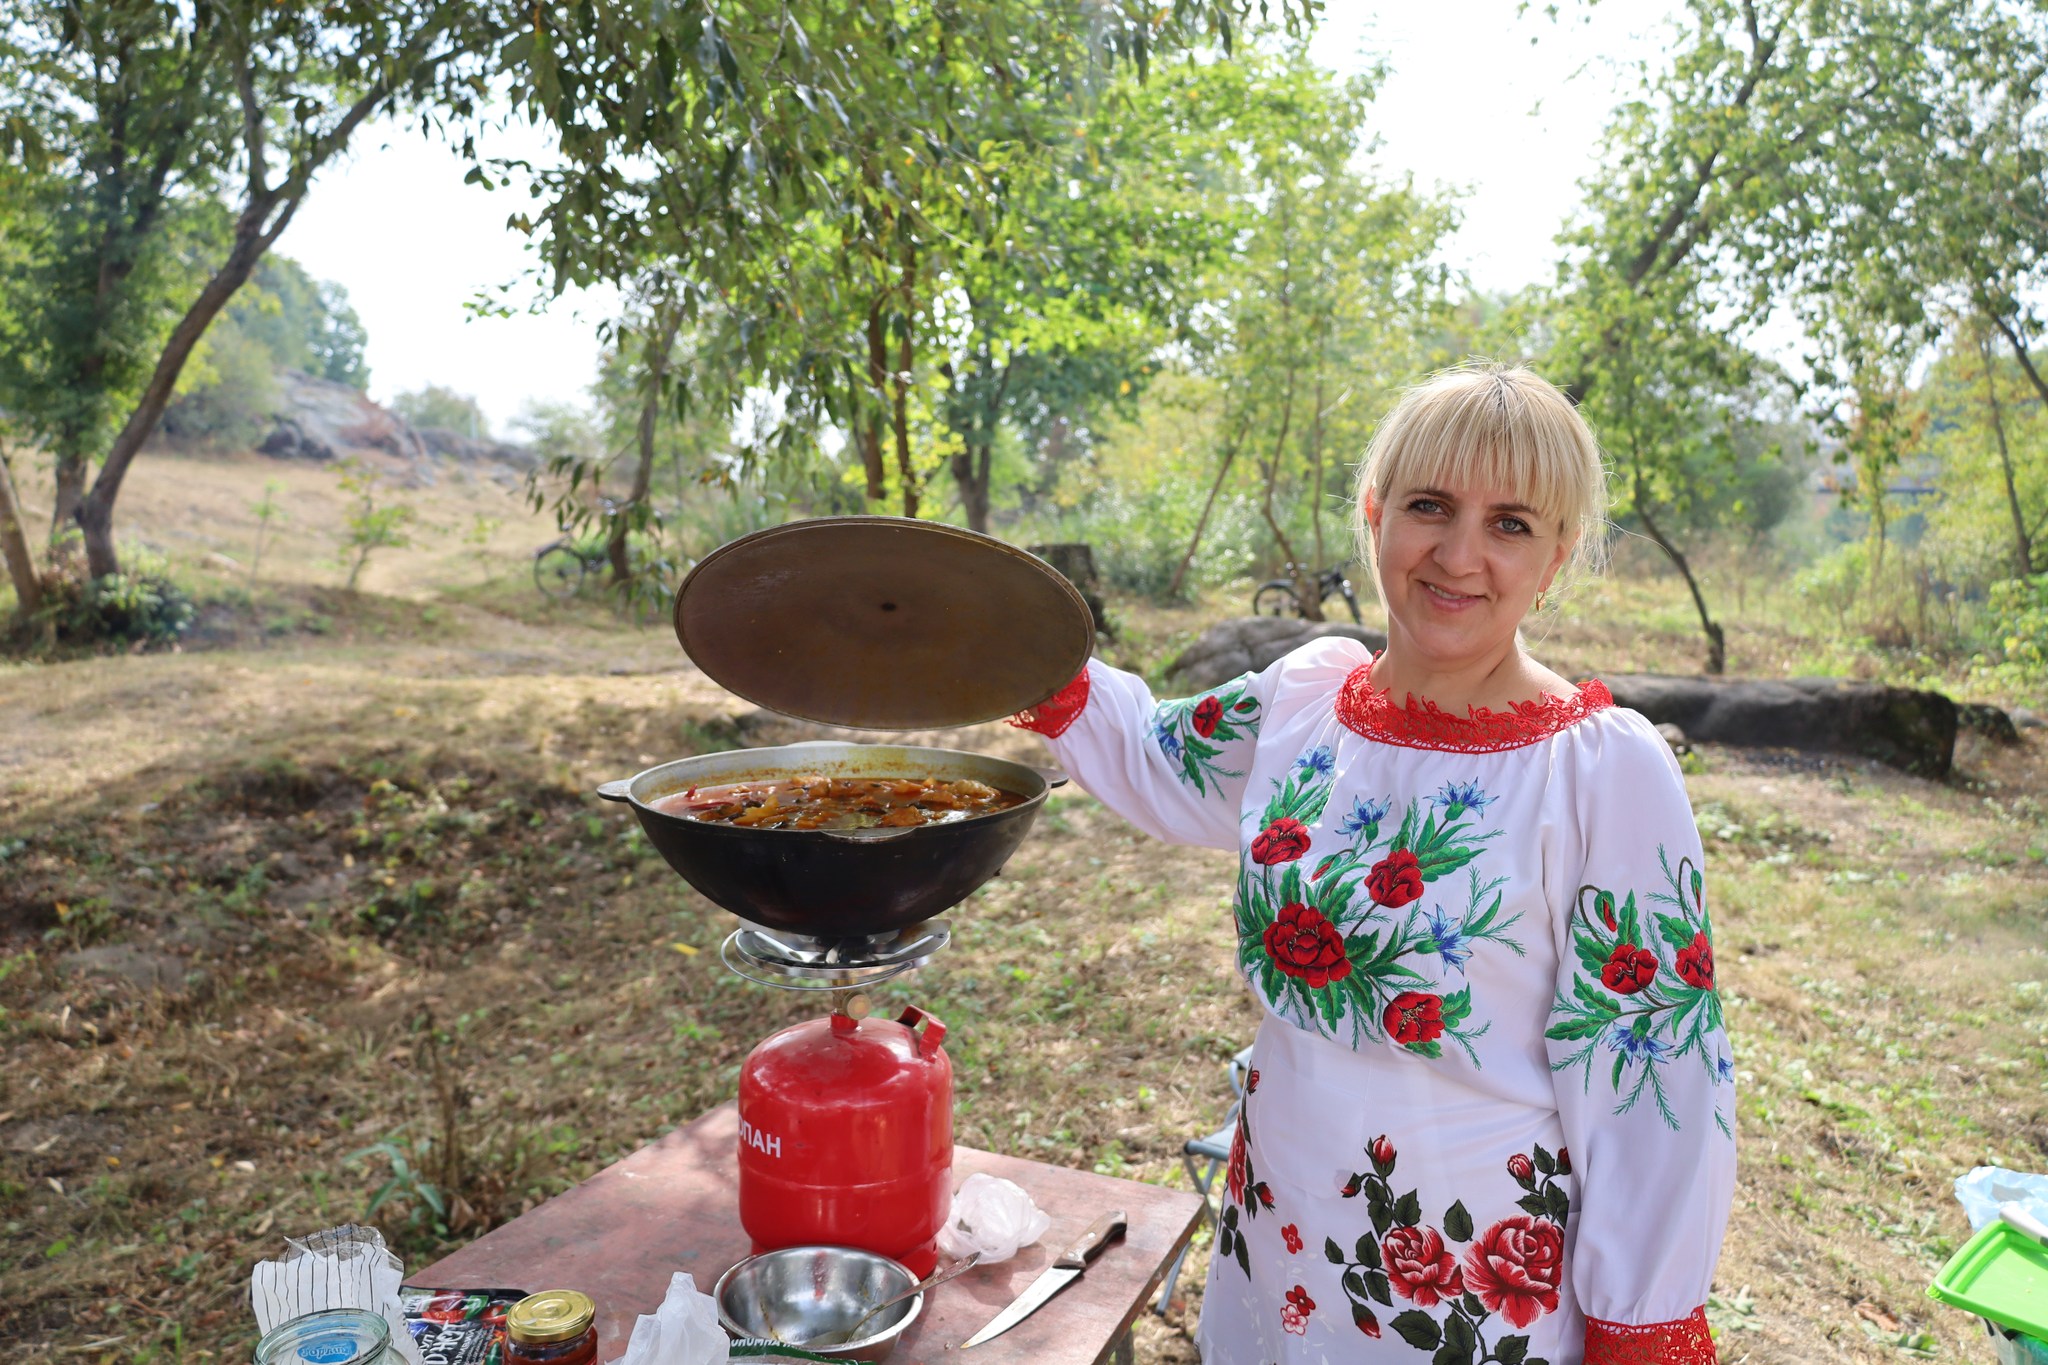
<point x="337" y="1336"/>
<point x="553" y="1327"/>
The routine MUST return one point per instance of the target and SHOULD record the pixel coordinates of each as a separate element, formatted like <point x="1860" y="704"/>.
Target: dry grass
<point x="265" y="908"/>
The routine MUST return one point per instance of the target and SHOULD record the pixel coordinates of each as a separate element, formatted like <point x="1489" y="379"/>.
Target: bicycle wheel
<point x="1275" y="599"/>
<point x="558" y="572"/>
<point x="1350" y="600"/>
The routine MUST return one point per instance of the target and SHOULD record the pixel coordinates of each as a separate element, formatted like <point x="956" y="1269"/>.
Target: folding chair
<point x="1212" y="1151"/>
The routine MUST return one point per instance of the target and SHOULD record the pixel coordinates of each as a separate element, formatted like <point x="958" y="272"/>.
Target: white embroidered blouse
<point x="1492" y="1106"/>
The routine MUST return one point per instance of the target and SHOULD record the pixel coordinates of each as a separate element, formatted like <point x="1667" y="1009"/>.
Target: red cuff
<point x="1685" y="1342"/>
<point x="1052" y="716"/>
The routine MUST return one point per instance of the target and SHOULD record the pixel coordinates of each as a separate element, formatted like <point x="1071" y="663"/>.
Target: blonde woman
<point x="1491" y="1109"/>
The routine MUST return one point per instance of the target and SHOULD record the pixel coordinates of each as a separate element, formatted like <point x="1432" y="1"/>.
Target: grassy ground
<point x="328" y="911"/>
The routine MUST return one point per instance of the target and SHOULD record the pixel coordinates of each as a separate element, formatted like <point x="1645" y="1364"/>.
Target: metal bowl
<point x="798" y="1294"/>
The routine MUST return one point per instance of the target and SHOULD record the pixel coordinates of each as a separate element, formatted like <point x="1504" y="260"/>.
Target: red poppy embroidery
<point x="1396" y="879"/>
<point x="1280" y="842"/>
<point x="1303" y="943"/>
<point x="1413" y="1017"/>
<point x="1515" y="1268"/>
<point x="1208" y="714"/>
<point x="1056" y="713"/>
<point x="1423" y="725"/>
<point x="1695" y="963"/>
<point x="1629" y="970"/>
<point x="1685" y="1342"/>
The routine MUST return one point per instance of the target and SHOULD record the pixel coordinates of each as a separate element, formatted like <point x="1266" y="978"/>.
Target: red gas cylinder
<point x="846" y="1137"/>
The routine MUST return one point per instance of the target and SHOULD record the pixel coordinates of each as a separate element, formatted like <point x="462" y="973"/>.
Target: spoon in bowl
<point x="937" y="1277"/>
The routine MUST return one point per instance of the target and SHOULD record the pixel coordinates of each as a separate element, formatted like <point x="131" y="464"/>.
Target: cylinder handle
<point x="934" y="1031"/>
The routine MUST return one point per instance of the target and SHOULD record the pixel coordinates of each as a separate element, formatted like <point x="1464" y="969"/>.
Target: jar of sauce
<point x="338" y="1336"/>
<point x="553" y="1327"/>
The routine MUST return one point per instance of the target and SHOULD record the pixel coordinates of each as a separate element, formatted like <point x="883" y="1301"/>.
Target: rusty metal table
<point x="674" y="1205"/>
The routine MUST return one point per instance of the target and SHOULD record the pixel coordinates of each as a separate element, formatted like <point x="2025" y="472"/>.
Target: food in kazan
<point x="817" y="802"/>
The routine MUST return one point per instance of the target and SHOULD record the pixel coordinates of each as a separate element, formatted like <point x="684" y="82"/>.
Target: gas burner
<point x="799" y="963"/>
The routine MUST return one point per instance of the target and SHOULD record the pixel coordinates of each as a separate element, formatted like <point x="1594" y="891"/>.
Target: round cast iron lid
<point x="883" y="623"/>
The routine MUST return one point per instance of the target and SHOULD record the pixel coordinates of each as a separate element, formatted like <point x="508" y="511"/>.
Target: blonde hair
<point x="1494" y="425"/>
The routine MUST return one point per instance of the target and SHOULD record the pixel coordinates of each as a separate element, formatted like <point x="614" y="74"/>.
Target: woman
<point x="1491" y="1107"/>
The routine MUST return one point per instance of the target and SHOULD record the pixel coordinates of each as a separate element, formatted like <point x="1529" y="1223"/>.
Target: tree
<point x="152" y="112"/>
<point x="438" y="406"/>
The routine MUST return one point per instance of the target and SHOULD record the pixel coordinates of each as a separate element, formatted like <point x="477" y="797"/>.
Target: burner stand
<point x="798" y="963"/>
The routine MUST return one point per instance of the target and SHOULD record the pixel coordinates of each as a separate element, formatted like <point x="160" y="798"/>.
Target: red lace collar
<point x="1422" y="725"/>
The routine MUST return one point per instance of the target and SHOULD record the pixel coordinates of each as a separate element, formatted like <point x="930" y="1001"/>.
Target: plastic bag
<point x="683" y="1331"/>
<point x="1984" y="1189"/>
<point x="344" y="1267"/>
<point x="992" y="1216"/>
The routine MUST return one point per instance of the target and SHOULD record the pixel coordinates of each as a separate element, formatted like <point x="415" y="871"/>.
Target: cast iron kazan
<point x="835" y="883"/>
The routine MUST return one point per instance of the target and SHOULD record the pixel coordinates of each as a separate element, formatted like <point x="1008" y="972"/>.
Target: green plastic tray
<point x="2001" y="1274"/>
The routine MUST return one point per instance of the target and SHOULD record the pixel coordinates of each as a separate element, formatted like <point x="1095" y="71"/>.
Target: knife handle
<point x="1100" y="1234"/>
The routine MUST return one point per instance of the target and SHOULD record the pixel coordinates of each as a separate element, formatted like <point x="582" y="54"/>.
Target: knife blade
<point x="1056" y="1277"/>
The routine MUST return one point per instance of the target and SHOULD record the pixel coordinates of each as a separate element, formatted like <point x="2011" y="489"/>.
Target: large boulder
<point x="1905" y="728"/>
<point x="1249" y="643"/>
<point x="319" y="419"/>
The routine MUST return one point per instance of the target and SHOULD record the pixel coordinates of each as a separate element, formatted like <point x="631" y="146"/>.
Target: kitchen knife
<point x="1062" y="1272"/>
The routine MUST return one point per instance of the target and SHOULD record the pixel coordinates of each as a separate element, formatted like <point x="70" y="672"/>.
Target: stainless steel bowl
<point x="799" y="1294"/>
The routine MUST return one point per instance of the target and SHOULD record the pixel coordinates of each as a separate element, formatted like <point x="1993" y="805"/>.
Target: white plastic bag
<point x="344" y="1267"/>
<point x="1984" y="1189"/>
<point x="992" y="1216"/>
<point x="683" y="1331"/>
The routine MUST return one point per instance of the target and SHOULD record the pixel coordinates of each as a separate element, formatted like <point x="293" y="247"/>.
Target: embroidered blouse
<point x="1491" y="1111"/>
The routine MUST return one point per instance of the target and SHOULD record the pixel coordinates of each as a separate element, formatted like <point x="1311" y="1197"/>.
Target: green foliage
<point x="228" y="393"/>
<point x="435" y="406"/>
<point x="2019" y="624"/>
<point x="371" y="523"/>
<point x="140" y="608"/>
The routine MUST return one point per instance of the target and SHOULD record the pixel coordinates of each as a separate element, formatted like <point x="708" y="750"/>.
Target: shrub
<point x="143" y="607"/>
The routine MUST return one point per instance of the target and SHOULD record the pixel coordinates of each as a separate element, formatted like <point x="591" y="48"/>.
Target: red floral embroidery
<point x="1685" y="1342"/>
<point x="1291" y="1235"/>
<point x="1423" y="725"/>
<point x="1696" y="963"/>
<point x="1420" y="1267"/>
<point x="1629" y="970"/>
<point x="1294" y="1317"/>
<point x="1052" y="716"/>
<point x="1303" y="943"/>
<point x="1413" y="1017"/>
<point x="1395" y="879"/>
<point x="1233" y="1174"/>
<point x="1207" y="715"/>
<point x="1515" y="1268"/>
<point x="1280" y="842"/>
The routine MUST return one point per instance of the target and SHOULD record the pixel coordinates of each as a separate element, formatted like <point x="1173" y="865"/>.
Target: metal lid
<point x="549" y="1316"/>
<point x="883" y="623"/>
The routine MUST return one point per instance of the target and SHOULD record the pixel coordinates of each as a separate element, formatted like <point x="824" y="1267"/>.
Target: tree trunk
<point x="870" y="421"/>
<point x="1307" y="585"/>
<point x="904" y="358"/>
<point x="1202" y="524"/>
<point x="665" y="321"/>
<point x="96" y="513"/>
<point x="21" y="566"/>
<point x="71" y="471"/>
<point x="1316" y="456"/>
<point x="1717" y="643"/>
<point x="2023" y="549"/>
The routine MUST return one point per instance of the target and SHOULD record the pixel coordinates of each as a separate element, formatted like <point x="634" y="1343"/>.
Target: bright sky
<point x="1472" y="105"/>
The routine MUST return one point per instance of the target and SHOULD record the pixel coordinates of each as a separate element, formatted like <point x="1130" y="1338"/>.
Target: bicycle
<point x="560" y="566"/>
<point x="1278" y="596"/>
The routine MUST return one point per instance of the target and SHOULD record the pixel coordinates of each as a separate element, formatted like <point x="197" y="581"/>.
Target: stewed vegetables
<point x="813" y="801"/>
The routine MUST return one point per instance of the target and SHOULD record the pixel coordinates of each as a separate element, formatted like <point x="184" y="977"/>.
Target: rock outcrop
<point x="1899" y="726"/>
<point x="319" y="419"/>
<point x="1249" y="643"/>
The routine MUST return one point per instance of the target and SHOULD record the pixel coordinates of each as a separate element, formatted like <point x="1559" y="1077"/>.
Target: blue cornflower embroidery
<point x="1448" y="938"/>
<point x="1724" y="1069"/>
<point x="1364" y="815"/>
<point x="1635" y="1047"/>
<point x="1457" y="798"/>
<point x="1318" y="760"/>
<point x="1169" y="742"/>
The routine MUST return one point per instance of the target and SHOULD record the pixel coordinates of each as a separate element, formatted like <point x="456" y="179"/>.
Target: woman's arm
<point x="1645" y="1080"/>
<point x="1176" y="769"/>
